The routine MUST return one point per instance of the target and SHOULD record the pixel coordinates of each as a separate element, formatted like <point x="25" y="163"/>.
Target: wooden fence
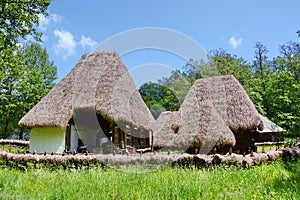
<point x="77" y="161"/>
<point x="14" y="142"/>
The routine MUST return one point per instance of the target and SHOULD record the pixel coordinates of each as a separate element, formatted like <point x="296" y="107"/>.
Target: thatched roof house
<point x="99" y="89"/>
<point x="180" y="130"/>
<point x="221" y="106"/>
<point x="166" y="129"/>
<point x="216" y="112"/>
<point x="201" y="127"/>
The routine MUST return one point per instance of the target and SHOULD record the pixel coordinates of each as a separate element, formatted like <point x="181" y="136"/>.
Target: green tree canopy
<point x="26" y="76"/>
<point x="158" y="98"/>
<point x="283" y="88"/>
<point x="18" y="19"/>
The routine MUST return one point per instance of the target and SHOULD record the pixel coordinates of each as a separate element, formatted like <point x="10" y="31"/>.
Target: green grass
<point x="268" y="181"/>
<point x="269" y="147"/>
<point x="13" y="148"/>
<point x="291" y="139"/>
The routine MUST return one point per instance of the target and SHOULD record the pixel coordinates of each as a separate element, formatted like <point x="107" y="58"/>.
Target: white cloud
<point x="66" y="44"/>
<point x="56" y="18"/>
<point x="44" y="22"/>
<point x="235" y="42"/>
<point x="87" y="42"/>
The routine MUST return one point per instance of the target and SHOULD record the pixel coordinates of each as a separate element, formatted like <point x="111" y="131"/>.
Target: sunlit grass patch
<point x="271" y="181"/>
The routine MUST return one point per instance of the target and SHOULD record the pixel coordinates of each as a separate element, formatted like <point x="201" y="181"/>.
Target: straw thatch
<point x="217" y="112"/>
<point x="201" y="126"/>
<point x="240" y="114"/>
<point x="192" y="128"/>
<point x="99" y="83"/>
<point x="230" y="101"/>
<point x="165" y="129"/>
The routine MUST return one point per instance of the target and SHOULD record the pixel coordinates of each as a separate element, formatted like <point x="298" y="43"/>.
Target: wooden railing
<point x="14" y="142"/>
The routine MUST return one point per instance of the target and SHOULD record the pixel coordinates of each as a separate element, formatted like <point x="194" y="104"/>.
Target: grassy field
<point x="269" y="181"/>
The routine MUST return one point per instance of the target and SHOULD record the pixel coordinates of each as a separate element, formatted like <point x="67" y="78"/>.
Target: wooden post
<point x="125" y="139"/>
<point x="146" y="139"/>
<point x="141" y="133"/>
<point x="120" y="137"/>
<point x="68" y="138"/>
<point x="152" y="143"/>
<point x="132" y="138"/>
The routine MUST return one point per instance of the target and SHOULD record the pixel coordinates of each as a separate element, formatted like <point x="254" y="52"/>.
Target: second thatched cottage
<point x="216" y="113"/>
<point x="95" y="102"/>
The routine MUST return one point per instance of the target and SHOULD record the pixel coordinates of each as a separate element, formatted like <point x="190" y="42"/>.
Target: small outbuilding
<point x="271" y="132"/>
<point x="95" y="106"/>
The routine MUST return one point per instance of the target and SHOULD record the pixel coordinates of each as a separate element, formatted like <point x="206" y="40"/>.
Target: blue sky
<point x="75" y="27"/>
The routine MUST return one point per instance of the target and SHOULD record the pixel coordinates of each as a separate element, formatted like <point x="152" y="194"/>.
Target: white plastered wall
<point x="49" y="139"/>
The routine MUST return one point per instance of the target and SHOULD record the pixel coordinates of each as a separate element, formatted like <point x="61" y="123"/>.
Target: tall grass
<point x="268" y="181"/>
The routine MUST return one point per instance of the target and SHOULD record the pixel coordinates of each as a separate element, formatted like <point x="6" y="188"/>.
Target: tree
<point x="261" y="57"/>
<point x="10" y="71"/>
<point x="290" y="58"/>
<point x="243" y="72"/>
<point x="230" y="64"/>
<point x="290" y="49"/>
<point x="178" y="83"/>
<point x="262" y="71"/>
<point x="158" y="98"/>
<point x="36" y="59"/>
<point x="23" y="83"/>
<point x="26" y="76"/>
<point x="18" y="19"/>
<point x="283" y="90"/>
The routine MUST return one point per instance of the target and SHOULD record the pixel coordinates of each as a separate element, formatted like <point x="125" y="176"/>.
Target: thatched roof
<point x="196" y="128"/>
<point x="230" y="101"/>
<point x="165" y="132"/>
<point x="99" y="83"/>
<point x="201" y="126"/>
<point x="269" y="126"/>
<point x="213" y="109"/>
